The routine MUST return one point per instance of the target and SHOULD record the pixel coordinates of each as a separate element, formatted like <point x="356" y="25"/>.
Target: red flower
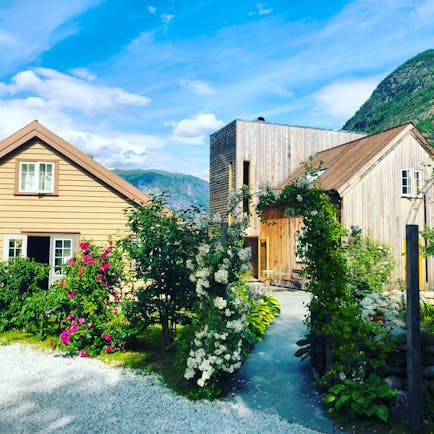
<point x="109" y="349"/>
<point x="82" y="353"/>
<point x="62" y="283"/>
<point x="99" y="277"/>
<point x="115" y="310"/>
<point x="71" y="262"/>
<point x="84" y="247"/>
<point x="116" y="298"/>
<point x="73" y="327"/>
<point x="64" y="337"/>
<point x="107" y="337"/>
<point x="69" y="317"/>
<point x="71" y="294"/>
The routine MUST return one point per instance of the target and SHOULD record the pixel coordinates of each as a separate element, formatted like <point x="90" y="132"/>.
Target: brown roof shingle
<point x="353" y="159"/>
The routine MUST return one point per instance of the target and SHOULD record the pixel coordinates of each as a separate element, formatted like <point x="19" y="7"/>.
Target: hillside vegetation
<point x="185" y="190"/>
<point x="407" y="94"/>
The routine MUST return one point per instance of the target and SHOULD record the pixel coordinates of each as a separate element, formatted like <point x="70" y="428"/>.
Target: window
<point x="36" y="177"/>
<point x="246" y="184"/>
<point x="14" y="246"/>
<point x="411" y="183"/>
<point x="62" y="251"/>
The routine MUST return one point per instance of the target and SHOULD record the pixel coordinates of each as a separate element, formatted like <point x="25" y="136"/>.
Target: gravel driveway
<point x="44" y="392"/>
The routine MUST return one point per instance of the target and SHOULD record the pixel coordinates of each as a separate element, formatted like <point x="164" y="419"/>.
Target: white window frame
<point x="414" y="183"/>
<point x="53" y="273"/>
<point x="6" y="241"/>
<point x="39" y="175"/>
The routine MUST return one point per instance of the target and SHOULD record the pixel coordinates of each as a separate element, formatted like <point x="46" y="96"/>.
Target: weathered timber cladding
<point x="84" y="204"/>
<point x="222" y="153"/>
<point x="377" y="206"/>
<point x="274" y="151"/>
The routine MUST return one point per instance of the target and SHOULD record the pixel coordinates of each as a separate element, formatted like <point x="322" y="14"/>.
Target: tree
<point x="160" y="244"/>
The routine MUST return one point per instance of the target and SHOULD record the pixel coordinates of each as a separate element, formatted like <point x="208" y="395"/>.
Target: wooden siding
<point x="275" y="151"/>
<point x="222" y="153"/>
<point x="84" y="204"/>
<point x="281" y="232"/>
<point x="375" y="203"/>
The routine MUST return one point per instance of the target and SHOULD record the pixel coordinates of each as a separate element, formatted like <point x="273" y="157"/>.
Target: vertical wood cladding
<point x="273" y="151"/>
<point x="222" y="154"/>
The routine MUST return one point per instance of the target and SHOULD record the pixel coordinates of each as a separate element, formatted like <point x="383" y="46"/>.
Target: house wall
<point x="375" y="203"/>
<point x="84" y="205"/>
<point x="275" y="151"/>
<point x="222" y="153"/>
<point x="281" y="232"/>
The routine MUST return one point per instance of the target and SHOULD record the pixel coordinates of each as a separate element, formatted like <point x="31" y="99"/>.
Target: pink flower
<point x="73" y="327"/>
<point x="98" y="277"/>
<point x="121" y="346"/>
<point x="71" y="294"/>
<point x="72" y="262"/>
<point x="69" y="317"/>
<point x="109" y="349"/>
<point x="62" y="283"/>
<point x="81" y="320"/>
<point x="104" y="254"/>
<point x="115" y="310"/>
<point x="84" y="247"/>
<point x="105" y="284"/>
<point x="116" y="298"/>
<point x="82" y="353"/>
<point x="107" y="337"/>
<point x="89" y="325"/>
<point x="64" y="337"/>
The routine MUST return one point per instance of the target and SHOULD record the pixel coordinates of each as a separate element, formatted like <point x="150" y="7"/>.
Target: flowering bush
<point x="221" y="322"/>
<point x="92" y="287"/>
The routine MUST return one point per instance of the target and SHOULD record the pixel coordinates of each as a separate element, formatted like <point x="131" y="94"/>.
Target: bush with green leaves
<point x="92" y="288"/>
<point x="160" y="243"/>
<point x="358" y="346"/>
<point x="363" y="398"/>
<point x="20" y="278"/>
<point x="369" y="264"/>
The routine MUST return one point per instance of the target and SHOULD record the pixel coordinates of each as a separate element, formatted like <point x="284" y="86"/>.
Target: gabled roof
<point x="348" y="163"/>
<point x="98" y="171"/>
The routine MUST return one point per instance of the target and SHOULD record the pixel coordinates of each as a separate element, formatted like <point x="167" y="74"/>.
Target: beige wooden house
<point x="52" y="195"/>
<point x="255" y="153"/>
<point x="381" y="182"/>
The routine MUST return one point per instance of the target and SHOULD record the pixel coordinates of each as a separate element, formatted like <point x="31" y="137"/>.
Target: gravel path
<point x="44" y="392"/>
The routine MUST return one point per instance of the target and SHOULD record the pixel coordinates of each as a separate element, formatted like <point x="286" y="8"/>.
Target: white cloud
<point x="166" y="18"/>
<point x="152" y="9"/>
<point x="65" y="91"/>
<point x="261" y="10"/>
<point x="193" y="131"/>
<point x="83" y="73"/>
<point x="341" y="99"/>
<point x="198" y="86"/>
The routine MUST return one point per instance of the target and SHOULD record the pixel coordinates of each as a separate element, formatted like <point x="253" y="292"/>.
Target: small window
<point x="411" y="183"/>
<point x="246" y="183"/>
<point x="36" y="177"/>
<point x="14" y="246"/>
<point x="62" y="251"/>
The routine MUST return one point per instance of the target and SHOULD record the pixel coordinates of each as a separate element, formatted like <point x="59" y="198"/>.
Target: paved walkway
<point x="274" y="379"/>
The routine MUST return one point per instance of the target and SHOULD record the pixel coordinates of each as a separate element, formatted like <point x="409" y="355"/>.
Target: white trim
<point x="53" y="239"/>
<point x="411" y="176"/>
<point x="37" y="177"/>
<point x="7" y="239"/>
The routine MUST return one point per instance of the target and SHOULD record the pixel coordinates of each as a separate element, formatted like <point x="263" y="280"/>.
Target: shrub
<point x="365" y="398"/>
<point x="369" y="264"/>
<point x="20" y="278"/>
<point x="160" y="244"/>
<point x="95" y="321"/>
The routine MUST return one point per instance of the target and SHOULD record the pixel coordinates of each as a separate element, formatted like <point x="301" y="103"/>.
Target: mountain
<point x="185" y="190"/>
<point x="407" y="94"/>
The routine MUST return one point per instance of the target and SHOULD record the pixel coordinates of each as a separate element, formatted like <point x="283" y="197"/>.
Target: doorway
<point x="38" y="248"/>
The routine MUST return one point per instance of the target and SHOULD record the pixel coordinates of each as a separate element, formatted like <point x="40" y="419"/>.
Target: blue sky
<point x="142" y="83"/>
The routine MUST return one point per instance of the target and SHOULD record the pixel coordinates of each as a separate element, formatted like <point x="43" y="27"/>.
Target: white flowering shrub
<point x="221" y="322"/>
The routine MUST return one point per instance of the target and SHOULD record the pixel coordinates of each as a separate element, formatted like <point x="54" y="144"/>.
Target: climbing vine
<point x="358" y="346"/>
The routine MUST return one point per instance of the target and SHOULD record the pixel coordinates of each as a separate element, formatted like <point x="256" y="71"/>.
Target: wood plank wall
<point x="84" y="204"/>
